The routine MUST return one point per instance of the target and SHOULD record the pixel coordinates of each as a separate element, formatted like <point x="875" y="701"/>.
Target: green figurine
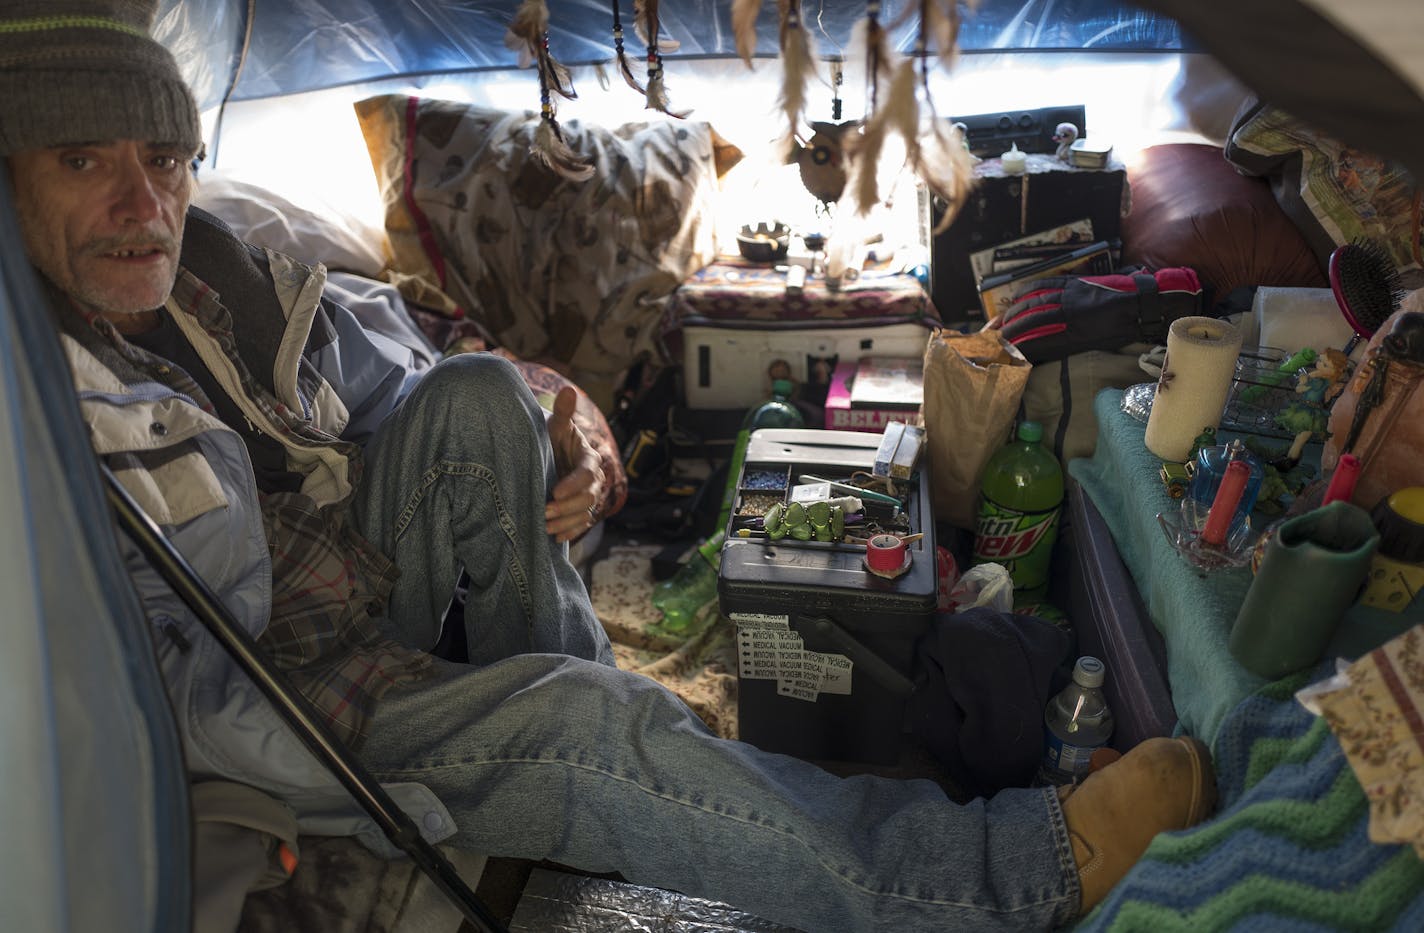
<point x="1207" y="438"/>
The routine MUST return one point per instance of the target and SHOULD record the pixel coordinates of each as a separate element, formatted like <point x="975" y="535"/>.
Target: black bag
<point x="1053" y="318"/>
<point x="983" y="680"/>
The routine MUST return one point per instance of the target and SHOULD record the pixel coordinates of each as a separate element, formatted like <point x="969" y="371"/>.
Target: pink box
<point x="845" y="414"/>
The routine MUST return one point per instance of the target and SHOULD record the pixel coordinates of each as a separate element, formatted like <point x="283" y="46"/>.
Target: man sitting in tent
<point x="297" y="463"/>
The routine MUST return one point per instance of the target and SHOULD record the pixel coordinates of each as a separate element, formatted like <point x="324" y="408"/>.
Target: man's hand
<point x="578" y="495"/>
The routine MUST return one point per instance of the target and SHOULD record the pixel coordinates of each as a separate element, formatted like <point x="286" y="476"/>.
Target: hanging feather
<point x="528" y="34"/>
<point x="623" y="65"/>
<point x="901" y="107"/>
<point x="527" y="30"/>
<point x="647" y="20"/>
<point x="744" y="19"/>
<point x="550" y="150"/>
<point x="798" y="66"/>
<point x="939" y="22"/>
<point x="946" y="166"/>
<point x="646" y="28"/>
<point x="877" y="56"/>
<point x="942" y="158"/>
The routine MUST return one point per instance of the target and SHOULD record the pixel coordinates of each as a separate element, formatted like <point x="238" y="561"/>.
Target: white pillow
<point x="264" y="218"/>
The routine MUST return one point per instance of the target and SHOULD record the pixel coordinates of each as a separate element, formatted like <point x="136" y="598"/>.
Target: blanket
<point x="1289" y="849"/>
<point x="698" y="664"/>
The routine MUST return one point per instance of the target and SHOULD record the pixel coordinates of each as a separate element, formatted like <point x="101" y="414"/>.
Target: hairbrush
<point x="1366" y="286"/>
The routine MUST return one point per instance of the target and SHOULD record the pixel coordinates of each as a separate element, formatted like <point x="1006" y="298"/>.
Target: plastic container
<point x="682" y="596"/>
<point x="776" y="412"/>
<point x="825" y="648"/>
<point x="1076" y="723"/>
<point x="1210" y="469"/>
<point x="1021" y="494"/>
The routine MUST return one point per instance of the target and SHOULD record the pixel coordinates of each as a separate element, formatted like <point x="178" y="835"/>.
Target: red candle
<point x="1223" y="507"/>
<point x="1342" y="481"/>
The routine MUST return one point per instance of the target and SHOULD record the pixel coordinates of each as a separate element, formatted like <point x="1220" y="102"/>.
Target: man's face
<point x="104" y="221"/>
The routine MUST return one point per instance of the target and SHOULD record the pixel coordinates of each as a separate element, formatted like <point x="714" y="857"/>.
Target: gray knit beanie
<point x="75" y="71"/>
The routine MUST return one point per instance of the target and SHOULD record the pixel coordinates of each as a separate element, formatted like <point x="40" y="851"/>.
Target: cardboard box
<point x="868" y="393"/>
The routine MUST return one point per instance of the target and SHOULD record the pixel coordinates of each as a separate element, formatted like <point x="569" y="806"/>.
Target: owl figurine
<point x="822" y="160"/>
<point x="1063" y="135"/>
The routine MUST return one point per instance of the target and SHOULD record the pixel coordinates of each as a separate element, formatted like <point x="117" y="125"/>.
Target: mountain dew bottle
<point x="1019" y="499"/>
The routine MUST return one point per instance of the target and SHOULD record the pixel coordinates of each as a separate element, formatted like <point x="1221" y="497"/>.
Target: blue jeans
<point x="552" y="753"/>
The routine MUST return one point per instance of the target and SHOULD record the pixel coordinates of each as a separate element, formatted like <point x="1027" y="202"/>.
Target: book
<point x="997" y="293"/>
<point x="893" y="392"/>
<point x="882" y="381"/>
<point x="1001" y="257"/>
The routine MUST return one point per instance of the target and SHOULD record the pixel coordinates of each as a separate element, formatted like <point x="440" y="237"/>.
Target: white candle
<point x="1196" y="379"/>
<point x="1013" y="161"/>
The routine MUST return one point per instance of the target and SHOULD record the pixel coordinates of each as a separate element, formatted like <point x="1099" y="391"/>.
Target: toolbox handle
<point x="873" y="664"/>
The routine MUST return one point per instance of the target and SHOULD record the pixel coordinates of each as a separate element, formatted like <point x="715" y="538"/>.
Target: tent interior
<point x="311" y="111"/>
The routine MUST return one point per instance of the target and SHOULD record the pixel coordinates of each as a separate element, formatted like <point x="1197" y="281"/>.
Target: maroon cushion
<point x="1190" y="207"/>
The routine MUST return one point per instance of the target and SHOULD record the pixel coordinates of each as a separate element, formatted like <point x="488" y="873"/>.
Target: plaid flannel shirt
<point x="327" y="581"/>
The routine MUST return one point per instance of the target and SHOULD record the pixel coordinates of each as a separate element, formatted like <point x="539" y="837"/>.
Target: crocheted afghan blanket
<point x="1289" y="848"/>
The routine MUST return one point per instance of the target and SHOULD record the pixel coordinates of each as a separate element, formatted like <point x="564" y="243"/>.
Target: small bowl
<point x="764" y="242"/>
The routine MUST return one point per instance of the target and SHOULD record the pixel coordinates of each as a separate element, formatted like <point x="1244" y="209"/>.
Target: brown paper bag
<point x="973" y="383"/>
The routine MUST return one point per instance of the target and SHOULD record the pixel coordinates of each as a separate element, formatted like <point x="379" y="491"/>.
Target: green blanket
<point x="1289" y="849"/>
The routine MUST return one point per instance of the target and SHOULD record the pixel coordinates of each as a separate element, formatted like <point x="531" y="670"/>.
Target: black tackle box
<point x="825" y="648"/>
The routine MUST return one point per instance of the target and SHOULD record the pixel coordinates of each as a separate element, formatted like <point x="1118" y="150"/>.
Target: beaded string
<point x="618" y="48"/>
<point x="872" y="65"/>
<point x="546" y="98"/>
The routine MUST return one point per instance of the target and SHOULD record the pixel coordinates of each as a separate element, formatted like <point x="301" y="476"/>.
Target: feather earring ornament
<point x="646" y="22"/>
<point x="623" y="65"/>
<point x="877" y="58"/>
<point x="942" y="159"/>
<point x="900" y="113"/>
<point x="798" y="66"/>
<point x="744" y="17"/>
<point x="528" y="34"/>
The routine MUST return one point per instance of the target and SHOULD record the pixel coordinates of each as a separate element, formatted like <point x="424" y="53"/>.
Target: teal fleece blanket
<point x="1194" y="612"/>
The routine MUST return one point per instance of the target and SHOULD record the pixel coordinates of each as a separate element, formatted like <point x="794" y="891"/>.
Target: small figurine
<point x="1207" y="438"/>
<point x="1325" y="380"/>
<point x="821" y="159"/>
<point x="1302" y="418"/>
<point x="963" y="130"/>
<point x="1063" y="135"/>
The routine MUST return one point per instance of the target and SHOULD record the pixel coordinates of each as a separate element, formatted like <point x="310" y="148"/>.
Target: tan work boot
<point x="1160" y="785"/>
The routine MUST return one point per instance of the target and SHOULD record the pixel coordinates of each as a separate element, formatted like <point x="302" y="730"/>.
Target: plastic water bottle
<point x="776" y="412"/>
<point x="1020" y="496"/>
<point x="682" y="596"/>
<point x="1076" y="723"/>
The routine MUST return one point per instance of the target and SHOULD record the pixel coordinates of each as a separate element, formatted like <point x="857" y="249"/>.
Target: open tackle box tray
<point x="825" y="647"/>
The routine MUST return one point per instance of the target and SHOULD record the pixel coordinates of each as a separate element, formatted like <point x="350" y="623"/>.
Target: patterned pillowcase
<point x="1335" y="194"/>
<point x="576" y="273"/>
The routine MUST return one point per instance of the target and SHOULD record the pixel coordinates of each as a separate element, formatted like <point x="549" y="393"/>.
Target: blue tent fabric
<point x="303" y="45"/>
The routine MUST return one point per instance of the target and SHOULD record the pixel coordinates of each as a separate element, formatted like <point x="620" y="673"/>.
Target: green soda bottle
<point x="1019" y="500"/>
<point x="776" y="412"/>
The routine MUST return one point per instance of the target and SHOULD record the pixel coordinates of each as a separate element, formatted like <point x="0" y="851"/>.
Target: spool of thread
<point x="885" y="555"/>
<point x="1223" y="507"/>
<point x="1196" y="378"/>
